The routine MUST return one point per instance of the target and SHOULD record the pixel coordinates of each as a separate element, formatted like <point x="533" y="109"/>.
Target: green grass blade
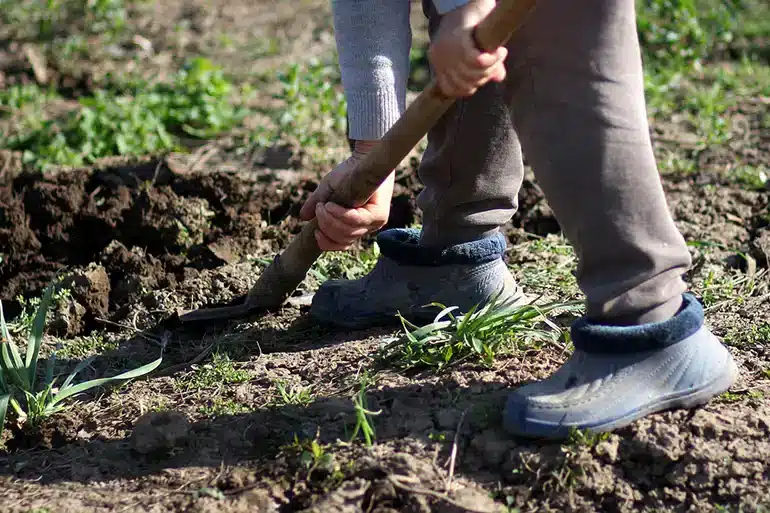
<point x="49" y="368"/>
<point x="3" y="410"/>
<point x="4" y="327"/>
<point x="82" y="365"/>
<point x="13" y="365"/>
<point x="11" y="357"/>
<point x="36" y="335"/>
<point x="3" y="385"/>
<point x="446" y="311"/>
<point x="82" y="387"/>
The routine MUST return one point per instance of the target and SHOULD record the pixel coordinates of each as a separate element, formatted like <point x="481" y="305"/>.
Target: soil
<point x="136" y="240"/>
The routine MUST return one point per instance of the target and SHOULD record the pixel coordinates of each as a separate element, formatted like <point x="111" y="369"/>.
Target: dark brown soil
<point x="144" y="225"/>
<point x="209" y="432"/>
<point x="120" y="229"/>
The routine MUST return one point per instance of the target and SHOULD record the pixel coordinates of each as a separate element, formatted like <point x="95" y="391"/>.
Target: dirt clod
<point x="158" y="432"/>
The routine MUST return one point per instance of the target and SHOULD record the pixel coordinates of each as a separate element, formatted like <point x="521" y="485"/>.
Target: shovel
<point x="287" y="270"/>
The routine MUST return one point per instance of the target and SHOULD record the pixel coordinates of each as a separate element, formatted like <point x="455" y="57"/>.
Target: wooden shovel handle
<point x="288" y="269"/>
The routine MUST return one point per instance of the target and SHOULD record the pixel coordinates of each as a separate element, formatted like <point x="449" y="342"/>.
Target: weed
<point x="732" y="397"/>
<point x="315" y="104"/>
<point x="345" y="265"/>
<point x="220" y="371"/>
<point x="720" y="287"/>
<point x="23" y="96"/>
<point x="364" y="423"/>
<point x="296" y="395"/>
<point x="437" y="437"/>
<point x="26" y="318"/>
<point x="198" y="101"/>
<point x="105" y="126"/>
<point x="682" y="33"/>
<point x="752" y="178"/>
<point x="144" y="119"/>
<point x="222" y="406"/>
<point x="21" y="376"/>
<point x="546" y="265"/>
<point x="585" y="438"/>
<point x="43" y="19"/>
<point x="754" y="336"/>
<point x="479" y="334"/>
<point x="86" y="345"/>
<point x="312" y="456"/>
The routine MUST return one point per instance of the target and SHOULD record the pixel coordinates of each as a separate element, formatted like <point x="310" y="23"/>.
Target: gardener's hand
<point x="340" y="227"/>
<point x="460" y="68"/>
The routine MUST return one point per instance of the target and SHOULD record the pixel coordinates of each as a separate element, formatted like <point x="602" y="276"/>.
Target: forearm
<point x="373" y="42"/>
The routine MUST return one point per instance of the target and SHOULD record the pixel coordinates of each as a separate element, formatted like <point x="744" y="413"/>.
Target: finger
<point x="336" y="230"/>
<point x="468" y="78"/>
<point x="358" y="217"/>
<point x="451" y="86"/>
<point x="326" y="244"/>
<point x="482" y="63"/>
<point x="499" y="73"/>
<point x="482" y="60"/>
<point x="462" y="86"/>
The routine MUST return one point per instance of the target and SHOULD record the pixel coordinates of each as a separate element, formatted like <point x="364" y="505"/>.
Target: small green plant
<point x="313" y="456"/>
<point x="585" y="437"/>
<point x="87" y="345"/>
<point x="26" y="318"/>
<point x="19" y="376"/>
<point x="546" y="265"/>
<point x="223" y="406"/>
<point x="681" y="33"/>
<point x="720" y="286"/>
<point x="753" y="178"/>
<point x="106" y="125"/>
<point x="22" y="96"/>
<point x="293" y="394"/>
<point x="345" y="265"/>
<point x="199" y="100"/>
<point x="733" y="397"/>
<point x="480" y="333"/>
<point x="315" y="104"/>
<point x="144" y="118"/>
<point x="221" y="370"/>
<point x="42" y="19"/>
<point x="364" y="423"/>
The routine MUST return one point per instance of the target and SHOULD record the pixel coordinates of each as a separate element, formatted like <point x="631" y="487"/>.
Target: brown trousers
<point x="574" y="102"/>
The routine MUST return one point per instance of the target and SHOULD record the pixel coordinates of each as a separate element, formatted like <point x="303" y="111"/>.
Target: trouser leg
<point x="472" y="169"/>
<point x="581" y="119"/>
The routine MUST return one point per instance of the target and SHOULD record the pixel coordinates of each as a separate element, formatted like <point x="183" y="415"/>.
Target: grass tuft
<point x="21" y="387"/>
<point x="478" y="335"/>
<point x="364" y="424"/>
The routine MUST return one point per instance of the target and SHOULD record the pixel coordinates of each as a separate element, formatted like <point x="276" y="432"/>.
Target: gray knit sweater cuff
<point x="373" y="42"/>
<point x="372" y="113"/>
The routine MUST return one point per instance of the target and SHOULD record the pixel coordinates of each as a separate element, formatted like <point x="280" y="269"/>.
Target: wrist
<point x="363" y="146"/>
<point x="470" y="12"/>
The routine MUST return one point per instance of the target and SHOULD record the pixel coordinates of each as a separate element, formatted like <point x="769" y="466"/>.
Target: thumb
<point x="320" y="195"/>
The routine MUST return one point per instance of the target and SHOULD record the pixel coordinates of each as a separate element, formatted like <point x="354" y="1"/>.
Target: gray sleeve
<point x="444" y="6"/>
<point x="373" y="42"/>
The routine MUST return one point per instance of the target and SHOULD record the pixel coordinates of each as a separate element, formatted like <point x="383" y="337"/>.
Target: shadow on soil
<point x="423" y="413"/>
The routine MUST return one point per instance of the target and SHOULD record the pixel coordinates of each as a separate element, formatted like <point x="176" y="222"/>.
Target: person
<point x="567" y="90"/>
